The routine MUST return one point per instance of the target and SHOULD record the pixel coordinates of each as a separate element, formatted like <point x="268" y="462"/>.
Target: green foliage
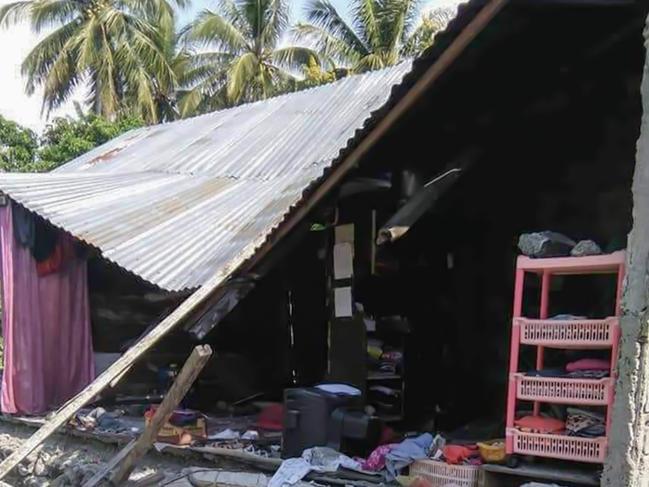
<point x="382" y="32"/>
<point x="314" y="75"/>
<point x="116" y="45"/>
<point x="67" y="138"/>
<point x="63" y="140"/>
<point x="245" y="61"/>
<point x="17" y="146"/>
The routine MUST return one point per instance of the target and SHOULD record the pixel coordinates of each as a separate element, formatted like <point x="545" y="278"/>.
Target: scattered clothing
<point x="342" y="389"/>
<point x="316" y="459"/>
<point x="588" y="364"/>
<point x="457" y="454"/>
<point x="225" y="435"/>
<point x="376" y="460"/>
<point x="540" y="424"/>
<point x="48" y="354"/>
<point x="271" y="418"/>
<point x="406" y="452"/>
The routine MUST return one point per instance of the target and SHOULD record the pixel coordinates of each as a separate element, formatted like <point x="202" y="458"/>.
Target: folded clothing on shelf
<point x="540" y="424"/>
<point x="585" y="368"/>
<point x="588" y="364"/>
<point x="546" y="373"/>
<point x="585" y="423"/>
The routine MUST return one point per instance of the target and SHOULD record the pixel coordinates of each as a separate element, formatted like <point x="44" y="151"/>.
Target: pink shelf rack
<point x="541" y="332"/>
<point x="589" y="450"/>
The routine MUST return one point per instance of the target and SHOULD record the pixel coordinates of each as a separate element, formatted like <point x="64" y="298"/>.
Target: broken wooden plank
<point x="188" y="374"/>
<point x="110" y="465"/>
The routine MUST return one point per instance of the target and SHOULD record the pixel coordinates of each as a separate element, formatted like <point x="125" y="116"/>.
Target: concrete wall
<point x="628" y="458"/>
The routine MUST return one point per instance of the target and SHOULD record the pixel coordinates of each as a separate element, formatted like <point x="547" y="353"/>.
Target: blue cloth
<point x="407" y="452"/>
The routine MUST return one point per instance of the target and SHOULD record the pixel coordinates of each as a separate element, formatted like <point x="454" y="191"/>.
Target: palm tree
<point x="241" y="58"/>
<point x="423" y="35"/>
<point x="116" y="47"/>
<point x="382" y="32"/>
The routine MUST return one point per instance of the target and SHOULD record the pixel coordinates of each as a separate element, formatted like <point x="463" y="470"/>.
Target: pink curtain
<point x="46" y="328"/>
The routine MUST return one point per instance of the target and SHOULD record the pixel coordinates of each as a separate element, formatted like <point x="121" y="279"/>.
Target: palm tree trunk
<point x="96" y="102"/>
<point x="628" y="453"/>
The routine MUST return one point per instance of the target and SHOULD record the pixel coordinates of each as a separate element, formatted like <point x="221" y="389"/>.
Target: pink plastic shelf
<point x="441" y="474"/>
<point x="591" y="450"/>
<point x="595" y="264"/>
<point x="561" y="390"/>
<point x="569" y="333"/>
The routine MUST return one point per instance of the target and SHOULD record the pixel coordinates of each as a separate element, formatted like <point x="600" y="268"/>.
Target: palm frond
<point x="329" y="47"/>
<point x="14" y="12"/>
<point x="294" y="57"/>
<point x="48" y="13"/>
<point x="41" y="58"/>
<point x="231" y="11"/>
<point x="397" y="22"/>
<point x="276" y="21"/>
<point x="424" y="34"/>
<point x="321" y="13"/>
<point x="60" y="80"/>
<point x="212" y="29"/>
<point x="369" y="63"/>
<point x="241" y="76"/>
<point x="366" y="21"/>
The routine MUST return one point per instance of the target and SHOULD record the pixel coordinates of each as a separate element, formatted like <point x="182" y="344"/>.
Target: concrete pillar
<point x="628" y="457"/>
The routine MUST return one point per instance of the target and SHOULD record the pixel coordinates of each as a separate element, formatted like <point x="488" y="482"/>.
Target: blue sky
<point x="297" y="8"/>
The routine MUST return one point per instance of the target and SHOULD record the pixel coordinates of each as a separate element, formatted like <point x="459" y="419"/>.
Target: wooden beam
<point x="110" y="465"/>
<point x="250" y="255"/>
<point x="178" y="390"/>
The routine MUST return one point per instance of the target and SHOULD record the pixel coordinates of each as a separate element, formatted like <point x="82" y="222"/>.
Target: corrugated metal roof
<point x="177" y="202"/>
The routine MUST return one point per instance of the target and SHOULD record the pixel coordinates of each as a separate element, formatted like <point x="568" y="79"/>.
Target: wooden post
<point x="179" y="388"/>
<point x="110" y="465"/>
<point x="628" y="450"/>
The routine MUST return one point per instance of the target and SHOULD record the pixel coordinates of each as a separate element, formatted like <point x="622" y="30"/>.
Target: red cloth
<point x="48" y="355"/>
<point x="53" y="263"/>
<point x="271" y="418"/>
<point x="539" y="424"/>
<point x="455" y="454"/>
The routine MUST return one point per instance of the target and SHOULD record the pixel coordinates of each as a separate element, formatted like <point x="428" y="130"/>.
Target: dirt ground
<point x="68" y="461"/>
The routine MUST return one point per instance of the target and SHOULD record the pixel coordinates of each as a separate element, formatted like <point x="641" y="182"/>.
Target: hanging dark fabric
<point x="23" y="223"/>
<point x="47" y="237"/>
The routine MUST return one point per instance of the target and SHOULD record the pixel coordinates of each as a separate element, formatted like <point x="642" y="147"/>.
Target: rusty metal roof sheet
<point x="175" y="203"/>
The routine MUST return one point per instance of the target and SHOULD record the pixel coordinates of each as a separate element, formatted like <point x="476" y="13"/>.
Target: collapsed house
<point x="362" y="233"/>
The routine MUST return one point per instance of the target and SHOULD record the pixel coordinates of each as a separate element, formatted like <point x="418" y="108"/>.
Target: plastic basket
<point x="591" y="450"/>
<point x="493" y="451"/>
<point x="440" y="474"/>
<point x="568" y="333"/>
<point x="591" y="392"/>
